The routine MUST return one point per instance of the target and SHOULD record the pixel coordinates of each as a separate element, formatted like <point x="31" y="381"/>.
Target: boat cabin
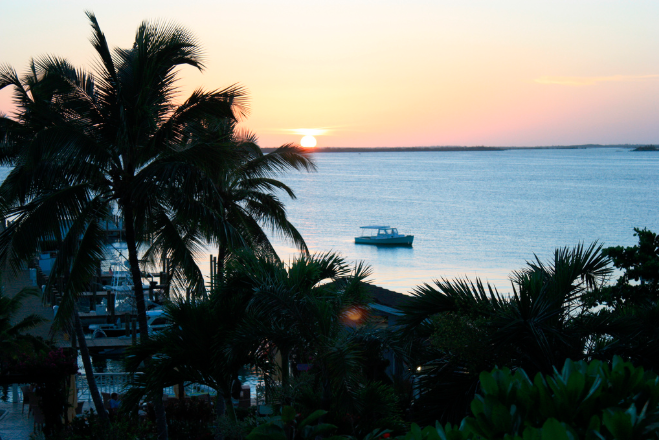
<point x="383" y="235"/>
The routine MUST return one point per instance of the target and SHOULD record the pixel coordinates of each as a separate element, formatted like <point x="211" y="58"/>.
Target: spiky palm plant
<point x="246" y="205"/>
<point x="464" y="327"/>
<point x="13" y="341"/>
<point x="193" y="349"/>
<point x="305" y="306"/>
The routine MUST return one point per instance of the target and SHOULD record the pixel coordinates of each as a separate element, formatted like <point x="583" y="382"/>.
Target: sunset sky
<point x="394" y="73"/>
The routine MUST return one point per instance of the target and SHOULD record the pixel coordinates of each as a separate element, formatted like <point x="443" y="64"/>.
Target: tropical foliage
<point x="14" y="343"/>
<point x="84" y="145"/>
<point x="463" y="327"/>
<point x="581" y="401"/>
<point x="272" y="315"/>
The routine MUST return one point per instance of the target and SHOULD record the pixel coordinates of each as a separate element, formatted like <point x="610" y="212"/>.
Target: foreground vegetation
<point x="544" y="362"/>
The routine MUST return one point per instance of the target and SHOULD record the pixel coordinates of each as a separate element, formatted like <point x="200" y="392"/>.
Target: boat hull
<point x="390" y="241"/>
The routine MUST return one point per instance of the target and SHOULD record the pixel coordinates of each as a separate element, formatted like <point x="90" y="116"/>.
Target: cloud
<point x="308" y="131"/>
<point x="318" y="131"/>
<point x="590" y="80"/>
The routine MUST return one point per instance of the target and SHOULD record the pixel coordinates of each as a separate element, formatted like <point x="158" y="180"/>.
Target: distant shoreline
<point x="455" y="148"/>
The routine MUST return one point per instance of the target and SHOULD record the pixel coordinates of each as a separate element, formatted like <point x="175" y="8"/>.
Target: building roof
<point x="386" y="297"/>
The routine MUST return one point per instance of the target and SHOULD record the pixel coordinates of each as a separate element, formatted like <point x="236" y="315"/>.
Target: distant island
<point x="646" y="148"/>
<point x="635" y="147"/>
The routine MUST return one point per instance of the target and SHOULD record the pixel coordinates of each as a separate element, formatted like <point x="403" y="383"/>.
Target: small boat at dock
<point x="383" y="235"/>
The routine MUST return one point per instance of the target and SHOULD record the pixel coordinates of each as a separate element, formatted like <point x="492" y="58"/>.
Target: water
<point x="472" y="213"/>
<point x="480" y="213"/>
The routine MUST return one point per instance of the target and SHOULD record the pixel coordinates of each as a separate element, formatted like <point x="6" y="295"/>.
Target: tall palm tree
<point x="50" y="209"/>
<point x="246" y="205"/>
<point x="115" y="136"/>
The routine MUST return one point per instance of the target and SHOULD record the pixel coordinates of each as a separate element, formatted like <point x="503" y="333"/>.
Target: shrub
<point x="90" y="426"/>
<point x="376" y="406"/>
<point x="287" y="427"/>
<point x="582" y="401"/>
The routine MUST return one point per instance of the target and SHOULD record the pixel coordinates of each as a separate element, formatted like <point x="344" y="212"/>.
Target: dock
<point x="99" y="343"/>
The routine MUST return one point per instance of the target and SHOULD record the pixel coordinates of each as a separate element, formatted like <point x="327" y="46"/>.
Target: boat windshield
<point x="384" y="231"/>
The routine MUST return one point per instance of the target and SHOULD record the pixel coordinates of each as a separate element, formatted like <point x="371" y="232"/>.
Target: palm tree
<point x="115" y="140"/>
<point x="304" y="307"/>
<point x="12" y="340"/>
<point x="50" y="209"/>
<point x="115" y="137"/>
<point x="248" y="190"/>
<point x="463" y="327"/>
<point x="193" y="349"/>
<point x="246" y="204"/>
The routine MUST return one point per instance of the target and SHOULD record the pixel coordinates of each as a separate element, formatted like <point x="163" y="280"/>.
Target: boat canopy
<point x="375" y="227"/>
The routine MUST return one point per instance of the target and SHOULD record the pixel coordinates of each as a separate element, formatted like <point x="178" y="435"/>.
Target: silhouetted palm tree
<point x="307" y="306"/>
<point x="13" y="341"/>
<point x="245" y="203"/>
<point x="464" y="327"/>
<point x="50" y="209"/>
<point x="115" y="137"/>
<point x="194" y="348"/>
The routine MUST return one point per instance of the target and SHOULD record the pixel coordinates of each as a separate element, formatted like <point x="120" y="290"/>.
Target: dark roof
<point x="386" y="297"/>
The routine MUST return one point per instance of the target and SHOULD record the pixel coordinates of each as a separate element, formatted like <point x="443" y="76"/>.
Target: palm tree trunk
<point x="228" y="404"/>
<point x="136" y="274"/>
<point x="89" y="372"/>
<point x="221" y="256"/>
<point x="285" y="367"/>
<point x="326" y="399"/>
<point x="131" y="245"/>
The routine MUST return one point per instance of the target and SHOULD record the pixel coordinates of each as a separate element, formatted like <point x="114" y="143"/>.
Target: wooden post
<point x="212" y="266"/>
<point x="134" y="330"/>
<point x="110" y="307"/>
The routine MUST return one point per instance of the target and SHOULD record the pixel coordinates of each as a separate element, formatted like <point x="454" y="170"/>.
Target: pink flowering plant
<point x="46" y="364"/>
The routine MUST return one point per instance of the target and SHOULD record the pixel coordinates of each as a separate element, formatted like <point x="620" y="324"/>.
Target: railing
<point x="106" y="383"/>
<point x="118" y="382"/>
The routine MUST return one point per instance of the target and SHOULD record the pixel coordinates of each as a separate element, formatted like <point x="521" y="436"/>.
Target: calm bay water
<point x="476" y="214"/>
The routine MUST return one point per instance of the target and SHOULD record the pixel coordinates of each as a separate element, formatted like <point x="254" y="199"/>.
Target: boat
<point x="107" y="330"/>
<point x="383" y="235"/>
<point x="155" y="320"/>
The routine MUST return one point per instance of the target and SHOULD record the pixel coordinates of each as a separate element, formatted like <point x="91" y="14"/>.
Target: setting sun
<point x="308" y="141"/>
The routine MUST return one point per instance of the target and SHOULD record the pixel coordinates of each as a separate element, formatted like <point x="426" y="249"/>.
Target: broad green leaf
<point x="552" y="429"/>
<point x="312" y="417"/>
<point x="316" y="430"/>
<point x="415" y="431"/>
<point x="618" y="423"/>
<point x="488" y="384"/>
<point x="531" y="433"/>
<point x="267" y="431"/>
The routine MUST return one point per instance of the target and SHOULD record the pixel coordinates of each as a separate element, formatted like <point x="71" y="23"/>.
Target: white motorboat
<point x="383" y="235"/>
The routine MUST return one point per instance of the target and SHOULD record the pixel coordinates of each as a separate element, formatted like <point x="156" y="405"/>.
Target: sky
<point x="393" y="73"/>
